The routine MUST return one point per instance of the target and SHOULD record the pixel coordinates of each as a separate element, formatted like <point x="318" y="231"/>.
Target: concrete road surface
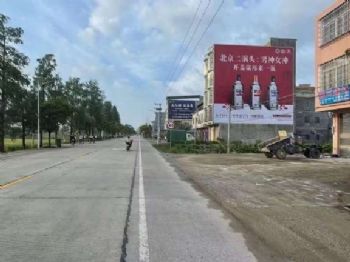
<point x="97" y="202"/>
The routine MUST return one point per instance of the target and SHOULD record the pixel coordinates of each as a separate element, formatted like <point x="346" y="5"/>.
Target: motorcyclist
<point x="128" y="143"/>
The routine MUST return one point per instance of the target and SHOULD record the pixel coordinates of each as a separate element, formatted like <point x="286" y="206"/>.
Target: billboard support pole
<point x="229" y="129"/>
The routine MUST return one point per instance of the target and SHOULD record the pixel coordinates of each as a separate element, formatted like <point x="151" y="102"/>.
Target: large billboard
<point x="257" y="80"/>
<point x="181" y="109"/>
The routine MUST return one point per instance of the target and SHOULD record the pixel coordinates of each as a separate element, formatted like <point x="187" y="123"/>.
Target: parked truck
<point x="284" y="144"/>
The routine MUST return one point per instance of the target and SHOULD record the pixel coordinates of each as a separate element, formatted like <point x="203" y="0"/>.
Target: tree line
<point x="80" y="107"/>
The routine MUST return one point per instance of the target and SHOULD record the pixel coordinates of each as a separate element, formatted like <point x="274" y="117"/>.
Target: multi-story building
<point x="333" y="71"/>
<point x="313" y="127"/>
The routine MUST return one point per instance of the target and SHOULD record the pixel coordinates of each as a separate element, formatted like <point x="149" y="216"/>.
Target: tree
<point x="11" y="64"/>
<point x="22" y="110"/>
<point x="116" y="115"/>
<point x="49" y="84"/>
<point x="54" y="111"/>
<point x="108" y="122"/>
<point x="146" y="130"/>
<point x="128" y="130"/>
<point x="74" y="93"/>
<point x="94" y="104"/>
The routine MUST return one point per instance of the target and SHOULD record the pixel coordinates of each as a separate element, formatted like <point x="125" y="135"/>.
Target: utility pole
<point x="158" y="109"/>
<point x="229" y="129"/>
<point x="38" y="142"/>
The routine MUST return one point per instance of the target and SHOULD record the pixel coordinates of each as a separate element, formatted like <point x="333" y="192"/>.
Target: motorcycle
<point x="128" y="145"/>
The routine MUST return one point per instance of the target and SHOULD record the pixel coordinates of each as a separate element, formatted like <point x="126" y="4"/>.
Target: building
<point x="313" y="127"/>
<point x="198" y="123"/>
<point x="159" y="116"/>
<point x="332" y="72"/>
<point x="251" y="67"/>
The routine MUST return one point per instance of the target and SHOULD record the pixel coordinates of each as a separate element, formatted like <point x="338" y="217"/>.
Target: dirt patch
<point x="296" y="208"/>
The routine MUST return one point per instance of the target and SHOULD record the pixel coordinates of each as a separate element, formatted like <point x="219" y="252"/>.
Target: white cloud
<point x="106" y="16"/>
<point x="191" y="83"/>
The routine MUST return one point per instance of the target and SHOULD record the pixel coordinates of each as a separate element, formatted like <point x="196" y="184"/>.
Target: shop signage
<point x="334" y="95"/>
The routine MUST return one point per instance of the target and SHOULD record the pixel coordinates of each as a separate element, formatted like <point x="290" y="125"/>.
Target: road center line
<point x="143" y="232"/>
<point x="13" y="182"/>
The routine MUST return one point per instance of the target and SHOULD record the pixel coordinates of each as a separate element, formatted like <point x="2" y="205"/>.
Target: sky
<point x="137" y="50"/>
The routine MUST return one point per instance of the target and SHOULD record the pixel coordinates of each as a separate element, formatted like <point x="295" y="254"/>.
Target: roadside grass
<point x="16" y="144"/>
<point x="190" y="148"/>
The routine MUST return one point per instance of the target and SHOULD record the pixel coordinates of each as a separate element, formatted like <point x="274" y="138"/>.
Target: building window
<point x="211" y="61"/>
<point x="335" y="24"/>
<point x="210" y="80"/>
<point x="308" y="106"/>
<point x="210" y="97"/>
<point x="318" y="137"/>
<point x="335" y="73"/>
<point x="306" y="119"/>
<point x="317" y="120"/>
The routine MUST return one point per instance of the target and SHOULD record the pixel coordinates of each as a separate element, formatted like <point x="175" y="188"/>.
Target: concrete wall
<point x="314" y="127"/>
<point x="252" y="133"/>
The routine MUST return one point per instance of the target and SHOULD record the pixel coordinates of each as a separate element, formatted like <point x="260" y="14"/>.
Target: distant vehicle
<point x="190" y="137"/>
<point x="128" y="143"/>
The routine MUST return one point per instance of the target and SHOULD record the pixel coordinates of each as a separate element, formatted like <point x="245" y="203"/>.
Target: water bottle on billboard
<point x="273" y="95"/>
<point x="256" y="94"/>
<point x="238" y="94"/>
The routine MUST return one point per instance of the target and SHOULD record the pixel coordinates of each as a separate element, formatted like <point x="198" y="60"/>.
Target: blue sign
<point x="334" y="95"/>
<point x="181" y="109"/>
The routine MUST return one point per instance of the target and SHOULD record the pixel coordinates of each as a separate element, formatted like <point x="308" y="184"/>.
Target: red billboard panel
<point x="257" y="81"/>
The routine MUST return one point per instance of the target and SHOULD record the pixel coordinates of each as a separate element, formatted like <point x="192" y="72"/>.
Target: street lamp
<point x="229" y="108"/>
<point x="158" y="109"/>
<point x="229" y="129"/>
<point x="41" y="85"/>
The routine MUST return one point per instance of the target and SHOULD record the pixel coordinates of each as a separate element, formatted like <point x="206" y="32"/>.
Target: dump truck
<point x="284" y="144"/>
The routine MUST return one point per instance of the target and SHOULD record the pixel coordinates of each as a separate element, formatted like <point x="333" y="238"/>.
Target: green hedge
<point x="327" y="148"/>
<point x="204" y="148"/>
<point x="240" y="147"/>
<point x="217" y="147"/>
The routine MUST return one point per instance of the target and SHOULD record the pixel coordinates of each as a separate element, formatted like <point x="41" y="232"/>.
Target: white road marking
<point x="118" y="149"/>
<point x="143" y="232"/>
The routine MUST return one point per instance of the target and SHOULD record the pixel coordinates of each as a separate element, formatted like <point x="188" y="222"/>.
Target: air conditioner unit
<point x="347" y="52"/>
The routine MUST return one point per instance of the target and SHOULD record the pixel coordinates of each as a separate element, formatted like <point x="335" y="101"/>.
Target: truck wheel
<point x="315" y="153"/>
<point x="307" y="152"/>
<point x="269" y="154"/>
<point x="281" y="154"/>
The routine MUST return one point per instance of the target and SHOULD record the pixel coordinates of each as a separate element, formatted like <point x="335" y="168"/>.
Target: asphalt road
<point x="97" y="202"/>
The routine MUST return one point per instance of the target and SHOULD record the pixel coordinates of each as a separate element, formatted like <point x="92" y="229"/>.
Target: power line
<point x="189" y="42"/>
<point x="200" y="39"/>
<point x="184" y="40"/>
